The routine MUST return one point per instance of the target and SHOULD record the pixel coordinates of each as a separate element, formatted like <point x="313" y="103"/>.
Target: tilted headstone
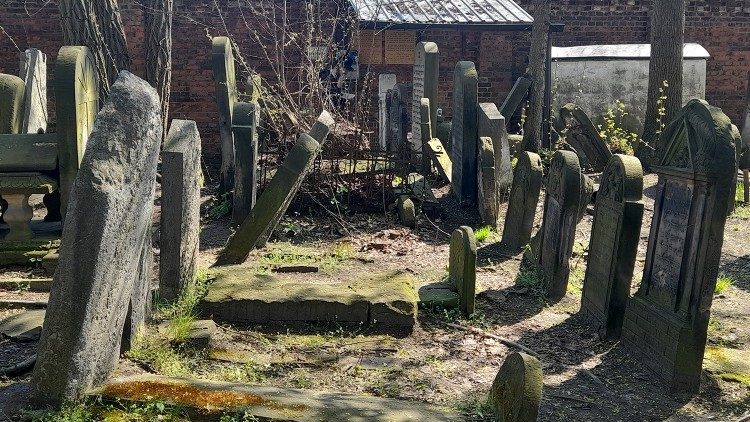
<point x="34" y="73"/>
<point x="108" y="221"/>
<point x="424" y="85"/>
<point x="245" y="128"/>
<point x="432" y="148"/>
<point x="76" y="106"/>
<point x="583" y="136"/>
<point x="666" y="321"/>
<point x="462" y="267"/>
<point x="515" y="97"/>
<point x="464" y="132"/>
<point x="524" y="196"/>
<point x="558" y="230"/>
<point x="225" y="84"/>
<point x="516" y="392"/>
<point x="11" y="103"/>
<point x="614" y="244"/>
<point x="273" y="203"/>
<point x="488" y="199"/>
<point x="386" y="82"/>
<point x="180" y="208"/>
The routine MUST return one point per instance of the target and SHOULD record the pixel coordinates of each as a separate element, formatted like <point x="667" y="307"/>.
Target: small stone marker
<point x="524" y="196"/>
<point x="245" y="129"/>
<point x="180" y="208"/>
<point x="614" y="244"/>
<point x="558" y="230"/>
<point x="109" y="217"/>
<point x="666" y="321"/>
<point x="424" y="85"/>
<point x="225" y="85"/>
<point x="464" y="132"/>
<point x="273" y="203"/>
<point x="462" y="267"/>
<point x="407" y="212"/>
<point x="386" y="82"/>
<point x="517" y="390"/>
<point x="583" y="136"/>
<point x="515" y="97"/>
<point x="487" y="192"/>
<point x="11" y="103"/>
<point x="34" y="73"/>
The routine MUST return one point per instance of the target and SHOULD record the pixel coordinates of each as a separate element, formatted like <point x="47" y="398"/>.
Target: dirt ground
<point x="584" y="378"/>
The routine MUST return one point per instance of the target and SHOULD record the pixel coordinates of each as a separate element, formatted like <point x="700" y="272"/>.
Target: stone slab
<point x="272" y="403"/>
<point x="464" y="132"/>
<point x="441" y="294"/>
<point x="25" y="326"/>
<point x="239" y="295"/>
<point x="25" y="152"/>
<point x="34" y="73"/>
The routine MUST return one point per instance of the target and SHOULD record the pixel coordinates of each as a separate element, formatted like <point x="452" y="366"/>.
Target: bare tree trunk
<point x="665" y="74"/>
<point x="532" y="132"/>
<point x="157" y="18"/>
<point x="97" y="25"/>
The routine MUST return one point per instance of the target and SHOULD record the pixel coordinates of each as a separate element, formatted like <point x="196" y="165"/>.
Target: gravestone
<point x="614" y="244"/>
<point x="464" y="132"/>
<point x="108" y="221"/>
<point x="491" y="123"/>
<point x="76" y="82"/>
<point x="424" y="85"/>
<point x="398" y="118"/>
<point x="666" y="321"/>
<point x="180" y="208"/>
<point x="515" y="97"/>
<point x="141" y="298"/>
<point x="516" y="392"/>
<point x="225" y="84"/>
<point x="407" y="212"/>
<point x="273" y="203"/>
<point x="245" y="129"/>
<point x="524" y="196"/>
<point x="561" y="205"/>
<point x="488" y="199"/>
<point x="462" y="267"/>
<point x="583" y="136"/>
<point x="432" y="148"/>
<point x="11" y="103"/>
<point x="34" y="74"/>
<point x="386" y="82"/>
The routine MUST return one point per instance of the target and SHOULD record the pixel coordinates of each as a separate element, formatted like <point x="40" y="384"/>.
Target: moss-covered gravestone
<point x="666" y="321"/>
<point x="101" y="261"/>
<point x="424" y="85"/>
<point x="225" y="84"/>
<point x="77" y="102"/>
<point x="488" y="200"/>
<point x="464" y="132"/>
<point x="180" y="208"/>
<point x="614" y="244"/>
<point x="273" y="203"/>
<point x="462" y="267"/>
<point x="583" y="136"/>
<point x="558" y="230"/>
<point x="245" y="128"/>
<point x="11" y="103"/>
<point x="517" y="390"/>
<point x="524" y="196"/>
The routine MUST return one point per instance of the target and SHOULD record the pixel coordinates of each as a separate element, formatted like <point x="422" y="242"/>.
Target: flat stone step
<point x="386" y="301"/>
<point x="31" y="284"/>
<point x="22" y="303"/>
<point x="271" y="403"/>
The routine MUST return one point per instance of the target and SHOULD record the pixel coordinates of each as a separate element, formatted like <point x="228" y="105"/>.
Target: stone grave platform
<point x="384" y="301"/>
<point x="270" y="403"/>
<point x="24" y="252"/>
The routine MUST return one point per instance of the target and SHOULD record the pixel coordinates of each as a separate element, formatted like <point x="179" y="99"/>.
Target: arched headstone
<point x="11" y="103"/>
<point x="583" y="136"/>
<point x="524" y="196"/>
<point x="517" y="390"/>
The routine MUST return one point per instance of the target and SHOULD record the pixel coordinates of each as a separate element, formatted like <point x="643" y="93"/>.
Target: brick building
<point x="721" y="26"/>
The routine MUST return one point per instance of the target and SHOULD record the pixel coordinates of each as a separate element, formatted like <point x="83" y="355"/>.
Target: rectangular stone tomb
<point x="386" y="301"/>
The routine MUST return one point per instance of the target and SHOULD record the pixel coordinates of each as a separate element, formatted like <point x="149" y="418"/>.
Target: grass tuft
<point x="483" y="233"/>
<point x="723" y="282"/>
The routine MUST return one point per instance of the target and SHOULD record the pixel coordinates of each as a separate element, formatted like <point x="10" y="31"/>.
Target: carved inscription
<point x="418" y="91"/>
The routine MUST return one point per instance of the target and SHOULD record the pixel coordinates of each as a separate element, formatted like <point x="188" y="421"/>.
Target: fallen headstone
<point x="24" y="326"/>
<point x="583" y="136"/>
<point x="514" y="99"/>
<point x="524" y="196"/>
<point x="517" y="390"/>
<point x="464" y="132"/>
<point x="462" y="267"/>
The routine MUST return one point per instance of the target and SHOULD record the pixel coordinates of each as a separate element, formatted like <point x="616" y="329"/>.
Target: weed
<point x="237" y="417"/>
<point x="529" y="276"/>
<point x="619" y="140"/>
<point x="722" y="282"/>
<point x="96" y="409"/>
<point x="575" y="280"/>
<point x="220" y="206"/>
<point x="476" y="409"/>
<point x="483" y="233"/>
<point x="158" y="355"/>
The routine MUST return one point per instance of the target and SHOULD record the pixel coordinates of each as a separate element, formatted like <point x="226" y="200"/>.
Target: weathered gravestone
<point x="666" y="321"/>
<point x="398" y="118"/>
<point x="462" y="267"/>
<point x="108" y="221"/>
<point x="11" y="103"/>
<point x="34" y="73"/>
<point x="424" y="85"/>
<point x="225" y="84"/>
<point x="583" y="136"/>
<point x="464" y="132"/>
<point x="245" y="127"/>
<point x="433" y="147"/>
<point x="524" y="196"/>
<point x="614" y="244"/>
<point x="76" y="82"/>
<point x="516" y="392"/>
<point x="488" y="199"/>
<point x="273" y="203"/>
<point x="561" y="206"/>
<point x="386" y="82"/>
<point x="516" y="95"/>
<point x="491" y="123"/>
<point x="180" y="208"/>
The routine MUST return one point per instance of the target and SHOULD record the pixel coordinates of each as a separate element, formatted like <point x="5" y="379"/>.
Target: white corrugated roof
<point x="431" y="12"/>
<point x="621" y="51"/>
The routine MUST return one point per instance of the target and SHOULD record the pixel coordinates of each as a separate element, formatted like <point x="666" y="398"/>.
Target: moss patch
<point x="728" y="364"/>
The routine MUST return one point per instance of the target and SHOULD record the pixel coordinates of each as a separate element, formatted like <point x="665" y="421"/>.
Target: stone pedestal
<point x="18" y="217"/>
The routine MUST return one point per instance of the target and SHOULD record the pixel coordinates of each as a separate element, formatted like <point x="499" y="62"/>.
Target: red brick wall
<point x="721" y="26"/>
